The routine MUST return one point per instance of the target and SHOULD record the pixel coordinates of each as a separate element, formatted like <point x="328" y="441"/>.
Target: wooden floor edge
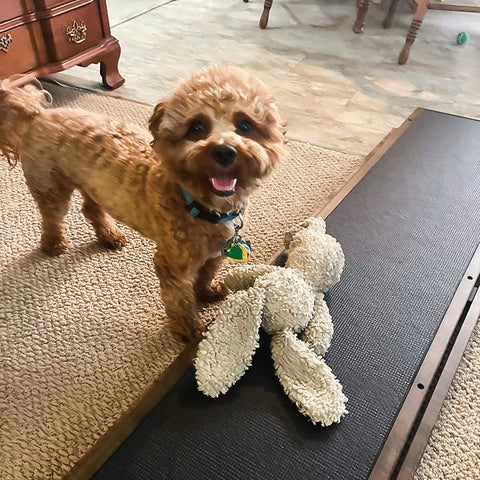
<point x="370" y="160"/>
<point x="430" y="416"/>
<point x="408" y="436"/>
<point x="104" y="448"/>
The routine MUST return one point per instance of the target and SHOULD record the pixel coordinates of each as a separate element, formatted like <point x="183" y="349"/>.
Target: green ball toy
<point x="462" y="38"/>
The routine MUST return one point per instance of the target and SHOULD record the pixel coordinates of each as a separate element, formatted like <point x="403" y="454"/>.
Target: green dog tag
<point x="237" y="249"/>
<point x="239" y="253"/>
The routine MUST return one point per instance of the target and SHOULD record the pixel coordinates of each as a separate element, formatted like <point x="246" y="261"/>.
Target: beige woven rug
<point x="82" y="336"/>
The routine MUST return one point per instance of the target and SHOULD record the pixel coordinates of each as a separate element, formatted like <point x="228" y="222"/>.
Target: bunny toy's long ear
<point x="308" y="380"/>
<point x="230" y="342"/>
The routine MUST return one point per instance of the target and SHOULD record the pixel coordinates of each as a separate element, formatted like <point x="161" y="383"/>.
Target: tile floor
<point x="336" y="89"/>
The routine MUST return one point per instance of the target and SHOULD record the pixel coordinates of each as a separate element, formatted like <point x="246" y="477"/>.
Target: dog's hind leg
<point x="52" y="193"/>
<point x="108" y="234"/>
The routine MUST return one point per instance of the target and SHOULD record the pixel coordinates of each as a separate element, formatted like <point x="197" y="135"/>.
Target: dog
<point x="185" y="186"/>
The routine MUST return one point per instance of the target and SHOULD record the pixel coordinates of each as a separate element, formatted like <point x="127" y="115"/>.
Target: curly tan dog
<point x="214" y="139"/>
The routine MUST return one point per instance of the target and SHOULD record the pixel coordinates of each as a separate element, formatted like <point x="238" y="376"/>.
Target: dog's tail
<point x="19" y="105"/>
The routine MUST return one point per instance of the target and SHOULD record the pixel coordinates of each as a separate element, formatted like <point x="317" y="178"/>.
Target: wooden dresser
<point x="47" y="36"/>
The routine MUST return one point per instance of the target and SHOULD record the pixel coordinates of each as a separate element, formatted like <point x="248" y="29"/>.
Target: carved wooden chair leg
<point x="387" y="23"/>
<point x="362" y="9"/>
<point x="412" y="31"/>
<point x="266" y="12"/>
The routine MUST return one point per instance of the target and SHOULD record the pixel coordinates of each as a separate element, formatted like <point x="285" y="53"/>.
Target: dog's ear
<point x="156" y="118"/>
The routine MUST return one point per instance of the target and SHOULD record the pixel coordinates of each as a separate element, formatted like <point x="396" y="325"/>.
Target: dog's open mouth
<point x="223" y="187"/>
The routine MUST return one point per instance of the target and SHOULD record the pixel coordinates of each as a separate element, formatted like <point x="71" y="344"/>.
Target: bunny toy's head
<point x="284" y="308"/>
<point x="315" y="254"/>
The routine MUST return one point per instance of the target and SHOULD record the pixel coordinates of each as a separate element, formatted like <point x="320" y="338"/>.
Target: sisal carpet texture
<point x="83" y="335"/>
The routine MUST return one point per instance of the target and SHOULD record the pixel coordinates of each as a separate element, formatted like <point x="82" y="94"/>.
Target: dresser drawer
<point x="74" y="31"/>
<point x="15" y="8"/>
<point x="52" y="3"/>
<point x="21" y="49"/>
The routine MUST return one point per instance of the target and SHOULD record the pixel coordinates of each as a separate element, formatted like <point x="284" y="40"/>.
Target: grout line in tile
<point x="121" y="22"/>
<point x="292" y="15"/>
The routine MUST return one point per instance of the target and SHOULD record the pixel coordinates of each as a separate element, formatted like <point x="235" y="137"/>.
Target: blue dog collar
<point x="201" y="212"/>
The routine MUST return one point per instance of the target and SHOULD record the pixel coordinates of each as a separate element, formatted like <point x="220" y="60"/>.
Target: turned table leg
<point x="266" y="12"/>
<point x="387" y="23"/>
<point x="362" y="9"/>
<point x="412" y="31"/>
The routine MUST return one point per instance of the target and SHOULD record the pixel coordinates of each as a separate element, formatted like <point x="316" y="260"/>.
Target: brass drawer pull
<point x="5" y="41"/>
<point x="76" y="32"/>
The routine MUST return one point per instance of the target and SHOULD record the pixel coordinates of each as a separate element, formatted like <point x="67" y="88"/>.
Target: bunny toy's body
<point x="285" y="302"/>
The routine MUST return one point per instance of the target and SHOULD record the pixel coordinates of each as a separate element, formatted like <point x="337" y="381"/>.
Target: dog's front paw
<point x="53" y="246"/>
<point x="113" y="241"/>
<point x="213" y="292"/>
<point x="192" y="332"/>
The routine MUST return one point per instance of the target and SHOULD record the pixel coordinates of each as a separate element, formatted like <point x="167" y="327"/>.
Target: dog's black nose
<point x="224" y="154"/>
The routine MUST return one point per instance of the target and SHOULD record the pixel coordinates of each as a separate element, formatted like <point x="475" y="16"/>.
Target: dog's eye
<point x="197" y="126"/>
<point x="244" y="126"/>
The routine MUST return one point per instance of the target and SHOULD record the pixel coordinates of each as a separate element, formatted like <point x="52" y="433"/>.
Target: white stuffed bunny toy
<point x="288" y="304"/>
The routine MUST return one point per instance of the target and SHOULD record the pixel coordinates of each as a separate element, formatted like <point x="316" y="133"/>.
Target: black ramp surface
<point x="409" y="230"/>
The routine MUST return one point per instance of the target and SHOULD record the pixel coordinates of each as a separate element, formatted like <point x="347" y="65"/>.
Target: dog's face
<point x="219" y="134"/>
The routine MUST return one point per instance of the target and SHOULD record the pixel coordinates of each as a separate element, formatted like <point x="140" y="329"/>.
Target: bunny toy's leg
<point x="318" y="333"/>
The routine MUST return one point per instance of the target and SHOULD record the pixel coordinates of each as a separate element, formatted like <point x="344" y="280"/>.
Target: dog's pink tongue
<point x="224" y="184"/>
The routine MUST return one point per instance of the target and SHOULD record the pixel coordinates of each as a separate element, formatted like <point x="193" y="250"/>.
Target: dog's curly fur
<point x="138" y="181"/>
